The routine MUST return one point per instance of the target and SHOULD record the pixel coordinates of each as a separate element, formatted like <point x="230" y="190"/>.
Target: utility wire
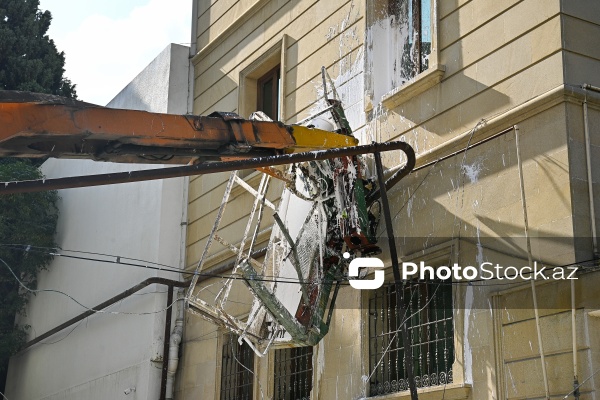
<point x="433" y="167"/>
<point x="404" y="320"/>
<point x="67" y="335"/>
<point x="233" y="352"/>
<point x="270" y="278"/>
<point x="59" y="340"/>
<point x="78" y="302"/>
<point x="581" y="384"/>
<point x="412" y="195"/>
<point x="166" y="268"/>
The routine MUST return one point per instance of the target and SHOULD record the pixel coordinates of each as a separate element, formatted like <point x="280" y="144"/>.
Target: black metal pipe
<point x="166" y="344"/>
<point x="462" y="150"/>
<point x="408" y="360"/>
<point x="103" y="305"/>
<point x="199" y="169"/>
<point x="411" y="159"/>
<point x="332" y="303"/>
<point x="411" y="162"/>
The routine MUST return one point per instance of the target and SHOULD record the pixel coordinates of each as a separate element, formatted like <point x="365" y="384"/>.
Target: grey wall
<point x="108" y="353"/>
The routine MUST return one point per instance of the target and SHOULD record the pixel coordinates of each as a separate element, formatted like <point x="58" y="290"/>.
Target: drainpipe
<point x="193" y="50"/>
<point x="588" y="160"/>
<point x="574" y="333"/>
<point x="174" y="342"/>
<point x="535" y="305"/>
<point x="588" y="164"/>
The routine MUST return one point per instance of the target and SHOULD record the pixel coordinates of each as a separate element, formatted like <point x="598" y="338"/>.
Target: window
<point x="431" y="331"/>
<point x="415" y="42"/>
<point x="293" y="373"/>
<point x="268" y="93"/>
<point x="237" y="369"/>
<point x="402" y="50"/>
<point x="263" y="82"/>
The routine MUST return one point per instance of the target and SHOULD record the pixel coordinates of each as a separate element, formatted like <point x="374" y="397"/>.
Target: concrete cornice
<point x="500" y="122"/>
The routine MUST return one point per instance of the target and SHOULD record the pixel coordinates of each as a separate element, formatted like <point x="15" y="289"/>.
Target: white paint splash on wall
<point x="320" y="361"/>
<point x="382" y="40"/>
<point x="468" y="357"/>
<point x="349" y="80"/>
<point x="472" y="171"/>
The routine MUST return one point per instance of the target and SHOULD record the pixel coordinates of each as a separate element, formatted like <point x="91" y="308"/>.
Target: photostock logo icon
<point x="362" y="262"/>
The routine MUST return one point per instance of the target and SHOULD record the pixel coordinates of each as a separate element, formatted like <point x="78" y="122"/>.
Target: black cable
<point x="275" y="279"/>
<point x="412" y="195"/>
<point x="77" y="301"/>
<point x="64" y="337"/>
<point x="433" y="167"/>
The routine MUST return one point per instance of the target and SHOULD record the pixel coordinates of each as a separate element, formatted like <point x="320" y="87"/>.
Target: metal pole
<point x="408" y="360"/>
<point x="199" y="169"/>
<point x="528" y="242"/>
<point x="167" y="336"/>
<point x="102" y="306"/>
<point x="588" y="164"/>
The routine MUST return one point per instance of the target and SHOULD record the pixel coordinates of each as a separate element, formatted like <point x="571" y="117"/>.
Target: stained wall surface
<point x="493" y="66"/>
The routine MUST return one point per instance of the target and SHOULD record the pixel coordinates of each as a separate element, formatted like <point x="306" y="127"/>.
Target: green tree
<point x="28" y="218"/>
<point x="29" y="60"/>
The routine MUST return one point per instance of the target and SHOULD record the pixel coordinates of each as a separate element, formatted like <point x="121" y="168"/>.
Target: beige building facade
<point x="499" y="101"/>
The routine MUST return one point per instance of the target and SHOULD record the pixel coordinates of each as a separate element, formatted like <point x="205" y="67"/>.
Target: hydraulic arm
<point x="39" y="125"/>
<point x="329" y="190"/>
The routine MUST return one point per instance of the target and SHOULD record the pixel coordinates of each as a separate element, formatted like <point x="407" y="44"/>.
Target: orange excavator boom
<point x="39" y="125"/>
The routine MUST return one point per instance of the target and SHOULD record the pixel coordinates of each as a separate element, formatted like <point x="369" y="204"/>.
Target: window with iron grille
<point x="429" y="317"/>
<point x="237" y="369"/>
<point x="293" y="373"/>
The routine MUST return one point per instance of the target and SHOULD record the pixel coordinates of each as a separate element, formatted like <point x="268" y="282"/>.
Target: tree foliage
<point x="29" y="60"/>
<point x="30" y="219"/>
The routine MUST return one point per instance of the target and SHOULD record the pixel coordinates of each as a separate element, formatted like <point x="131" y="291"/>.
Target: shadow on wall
<point x="476" y="195"/>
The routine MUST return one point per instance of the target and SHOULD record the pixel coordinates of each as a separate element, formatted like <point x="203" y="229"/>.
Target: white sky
<point x="108" y="42"/>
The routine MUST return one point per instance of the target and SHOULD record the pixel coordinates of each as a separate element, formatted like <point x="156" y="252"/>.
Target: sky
<point x="108" y="42"/>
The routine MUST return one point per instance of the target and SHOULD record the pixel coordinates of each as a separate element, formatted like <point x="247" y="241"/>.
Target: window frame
<point x="394" y="8"/>
<point x="427" y="372"/>
<point x="434" y="255"/>
<point x="306" y="371"/>
<point x="421" y="80"/>
<point x="258" y="67"/>
<point x="273" y="75"/>
<point x="228" y="339"/>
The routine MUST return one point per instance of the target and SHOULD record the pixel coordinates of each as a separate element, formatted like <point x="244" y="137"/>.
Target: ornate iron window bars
<point x="293" y="373"/>
<point x="429" y="318"/>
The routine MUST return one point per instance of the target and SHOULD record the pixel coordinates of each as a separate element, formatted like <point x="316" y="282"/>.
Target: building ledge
<point x="420" y="83"/>
<point x="453" y="391"/>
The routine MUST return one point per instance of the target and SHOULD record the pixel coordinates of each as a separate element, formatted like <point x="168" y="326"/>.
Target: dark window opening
<point x="268" y="93"/>
<point x="293" y="373"/>
<point x="431" y="330"/>
<point x="237" y="370"/>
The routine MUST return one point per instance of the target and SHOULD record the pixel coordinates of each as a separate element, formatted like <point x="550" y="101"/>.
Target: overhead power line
<point x="119" y="260"/>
